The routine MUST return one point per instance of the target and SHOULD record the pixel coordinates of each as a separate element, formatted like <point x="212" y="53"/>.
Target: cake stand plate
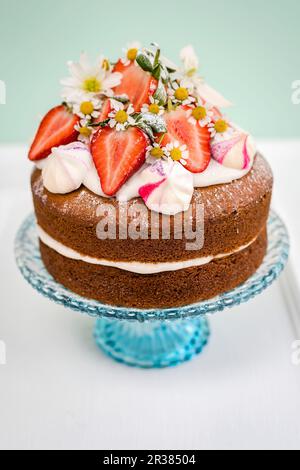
<point x="153" y="337"/>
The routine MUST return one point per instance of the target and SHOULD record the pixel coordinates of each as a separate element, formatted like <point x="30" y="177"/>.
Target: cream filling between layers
<point x="132" y="266"/>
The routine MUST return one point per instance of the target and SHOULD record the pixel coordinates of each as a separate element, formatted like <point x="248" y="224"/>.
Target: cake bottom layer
<point x="167" y="289"/>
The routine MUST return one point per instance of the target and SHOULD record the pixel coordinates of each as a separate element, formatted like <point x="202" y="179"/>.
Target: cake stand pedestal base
<point x="152" y="344"/>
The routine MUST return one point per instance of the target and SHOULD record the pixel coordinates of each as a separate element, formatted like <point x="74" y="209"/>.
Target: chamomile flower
<point x="220" y="129"/>
<point x="85" y="131"/>
<point x="89" y="81"/>
<point x="121" y="118"/>
<point x="116" y="105"/>
<point x="189" y="72"/>
<point x="130" y="52"/>
<point x="106" y="64"/>
<point x="190" y="79"/>
<point x="201" y="114"/>
<point x="190" y="61"/>
<point x="177" y="152"/>
<point x="156" y="152"/>
<point x="153" y="107"/>
<point x="181" y="94"/>
<point x="88" y="109"/>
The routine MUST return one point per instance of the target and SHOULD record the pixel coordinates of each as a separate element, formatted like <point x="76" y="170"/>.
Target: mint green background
<point x="249" y="50"/>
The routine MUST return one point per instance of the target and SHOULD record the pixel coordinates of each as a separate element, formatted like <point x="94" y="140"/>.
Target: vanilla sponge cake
<point x="235" y="228"/>
<point x="137" y="160"/>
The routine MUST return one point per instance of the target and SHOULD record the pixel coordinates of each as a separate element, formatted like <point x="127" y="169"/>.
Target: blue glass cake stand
<point x="154" y="337"/>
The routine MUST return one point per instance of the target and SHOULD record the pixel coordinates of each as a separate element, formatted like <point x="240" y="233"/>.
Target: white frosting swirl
<point x="92" y="181"/>
<point x="130" y="189"/>
<point x="237" y="152"/>
<point x="216" y="173"/>
<point x="166" y="187"/>
<point x="66" y="168"/>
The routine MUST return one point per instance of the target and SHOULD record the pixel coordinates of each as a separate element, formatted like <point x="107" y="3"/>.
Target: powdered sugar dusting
<point x="221" y="199"/>
<point x="39" y="190"/>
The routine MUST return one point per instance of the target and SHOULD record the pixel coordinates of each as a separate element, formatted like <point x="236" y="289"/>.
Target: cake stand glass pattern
<point x="154" y="337"/>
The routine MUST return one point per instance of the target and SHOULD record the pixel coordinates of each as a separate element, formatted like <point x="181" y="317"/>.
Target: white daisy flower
<point x="189" y="73"/>
<point x="191" y="79"/>
<point x="181" y="94"/>
<point x="193" y="82"/>
<point x="190" y="60"/>
<point x="116" y="105"/>
<point x="202" y="90"/>
<point x="220" y="129"/>
<point x="88" y="109"/>
<point x="106" y="64"/>
<point x="155" y="152"/>
<point x="88" y="81"/>
<point x="201" y="114"/>
<point x="153" y="107"/>
<point x="85" y="131"/>
<point x="130" y="52"/>
<point x="177" y="152"/>
<point x="121" y="118"/>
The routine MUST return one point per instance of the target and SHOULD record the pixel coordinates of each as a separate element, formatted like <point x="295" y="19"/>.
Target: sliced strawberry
<point x="216" y="111"/>
<point x="137" y="84"/>
<point x="56" y="128"/>
<point x="217" y="114"/>
<point x="117" y="155"/>
<point x="105" y="110"/>
<point x="196" y="138"/>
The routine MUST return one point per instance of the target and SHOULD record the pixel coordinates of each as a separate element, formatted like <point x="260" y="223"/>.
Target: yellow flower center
<point x="132" y="53"/>
<point x="154" y="108"/>
<point x="86" y="107"/>
<point x="85" y="131"/>
<point x="199" y="113"/>
<point x="157" y="152"/>
<point x="121" y="116"/>
<point x="92" y="85"/>
<point x="191" y="72"/>
<point x="176" y="154"/>
<point x="221" y="126"/>
<point x="105" y="64"/>
<point x="181" y="94"/>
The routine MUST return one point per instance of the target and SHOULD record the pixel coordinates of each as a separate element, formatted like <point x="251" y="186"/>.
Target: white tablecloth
<point x="57" y="390"/>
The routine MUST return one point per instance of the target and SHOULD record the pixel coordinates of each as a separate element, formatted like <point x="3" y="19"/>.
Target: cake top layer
<point x="140" y="126"/>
